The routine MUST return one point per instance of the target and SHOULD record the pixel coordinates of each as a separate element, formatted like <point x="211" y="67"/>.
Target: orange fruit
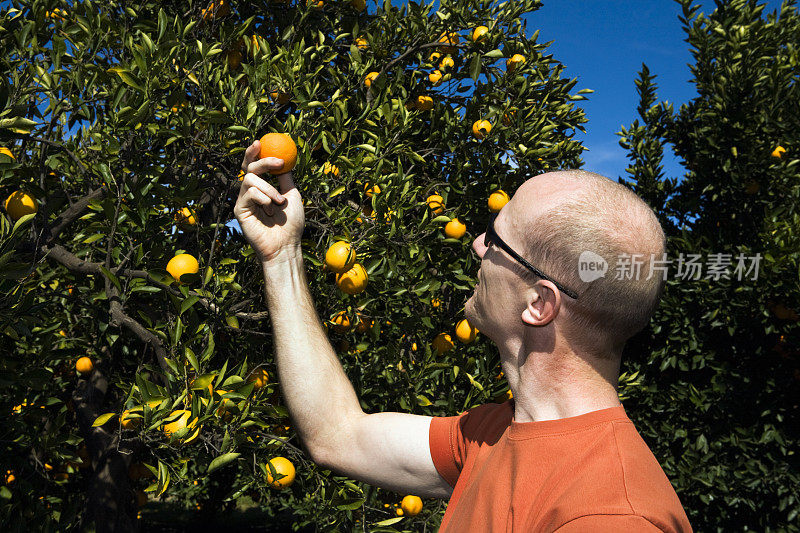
<point x="435" y="78"/>
<point x="398" y="512"/>
<point x="182" y="264"/>
<point x="62" y="333"/>
<point x="181" y="422"/>
<point x="4" y="150"/>
<point x="362" y="43"/>
<point x="423" y="103"/>
<point x="752" y="187"/>
<point x="411" y="505"/>
<point x="279" y="97"/>
<point x="328" y="168"/>
<point x="465" y="332"/>
<point x="481" y="128"/>
<point x="435" y="302"/>
<point x="778" y="152"/>
<point x="514" y="61"/>
<point x="284" y="470"/>
<point x="19" y="204"/>
<point x="282" y="146"/>
<point x="435" y="204"/>
<point x="479" y="34"/>
<point x="234" y="59"/>
<point x="509" y="116"/>
<point x="340" y="257"/>
<point x="455" y="229"/>
<point x="364" y="325"/>
<point x="434" y="57"/>
<point x="375" y="189"/>
<point x="451" y="38"/>
<point x="446" y="63"/>
<point x="258" y="377"/>
<point x="127" y="421"/>
<point x="186" y="218"/>
<point x="218" y="8"/>
<point x="443" y="343"/>
<point x="341" y="322"/>
<point x="370" y="78"/>
<point x="354" y="280"/>
<point x="84" y="366"/>
<point x="497" y="200"/>
<point x="316" y="4"/>
<point x="359" y="5"/>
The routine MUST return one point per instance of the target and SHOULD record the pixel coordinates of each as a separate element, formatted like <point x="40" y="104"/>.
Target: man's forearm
<point x="317" y="392"/>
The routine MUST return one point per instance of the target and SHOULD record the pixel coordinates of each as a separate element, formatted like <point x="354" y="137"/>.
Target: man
<point x="561" y="455"/>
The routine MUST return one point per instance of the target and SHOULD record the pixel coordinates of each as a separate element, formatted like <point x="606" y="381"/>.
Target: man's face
<point x="497" y="303"/>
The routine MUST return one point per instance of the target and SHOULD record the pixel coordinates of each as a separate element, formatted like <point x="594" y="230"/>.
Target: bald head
<point x="559" y="216"/>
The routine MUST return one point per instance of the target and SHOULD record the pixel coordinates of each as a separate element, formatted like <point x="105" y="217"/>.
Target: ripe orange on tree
<point x="371" y="190"/>
<point x="778" y="152"/>
<point x="479" y="34"/>
<point x="185" y="218"/>
<point x="284" y="472"/>
<point x="354" y="280"/>
<point x="435" y="78"/>
<point x="508" y="117"/>
<point x="279" y="97"/>
<point x="84" y="366"/>
<point x="329" y="168"/>
<point x="282" y="146"/>
<point x="514" y="61"/>
<point x="481" y="128"/>
<point x="497" y="200"/>
<point x="411" y="505"/>
<point x="442" y="343"/>
<point x="258" y="377"/>
<point x="446" y="63"/>
<point x="361" y="43"/>
<point x="466" y="332"/>
<point x="340" y="257"/>
<point x="180" y="420"/>
<point x="423" y="103"/>
<point x="19" y="204"/>
<point x="455" y="229"/>
<point x="435" y="204"/>
<point x="316" y="4"/>
<point x="128" y="421"/>
<point x="434" y="57"/>
<point x="341" y="322"/>
<point x="449" y="39"/>
<point x="370" y="78"/>
<point x="5" y="151"/>
<point x="219" y="8"/>
<point x="182" y="264"/>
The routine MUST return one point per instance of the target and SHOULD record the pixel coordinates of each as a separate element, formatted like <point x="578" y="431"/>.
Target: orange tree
<point x="721" y="357"/>
<point x="125" y="125"/>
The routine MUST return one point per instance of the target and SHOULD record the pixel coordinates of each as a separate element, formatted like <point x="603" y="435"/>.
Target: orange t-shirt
<point x="591" y="472"/>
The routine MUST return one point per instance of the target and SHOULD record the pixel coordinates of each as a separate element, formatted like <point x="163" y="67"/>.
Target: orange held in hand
<point x="84" y="366"/>
<point x="284" y="470"/>
<point x="282" y="146"/>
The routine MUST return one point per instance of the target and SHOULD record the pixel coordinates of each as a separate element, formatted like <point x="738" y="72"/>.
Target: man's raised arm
<point x="385" y="449"/>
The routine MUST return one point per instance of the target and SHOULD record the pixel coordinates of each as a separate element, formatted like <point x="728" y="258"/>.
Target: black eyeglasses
<point x="491" y="237"/>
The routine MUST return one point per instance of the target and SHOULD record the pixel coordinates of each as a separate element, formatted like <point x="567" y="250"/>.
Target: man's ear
<point x="544" y="303"/>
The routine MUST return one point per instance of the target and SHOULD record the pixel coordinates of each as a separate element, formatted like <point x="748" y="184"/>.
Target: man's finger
<point x="251" y="154"/>
<point x="264" y="166"/>
<point x="253" y="181"/>
<point x="285" y="182"/>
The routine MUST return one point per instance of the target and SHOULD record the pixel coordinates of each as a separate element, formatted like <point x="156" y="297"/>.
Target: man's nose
<point x="478" y="246"/>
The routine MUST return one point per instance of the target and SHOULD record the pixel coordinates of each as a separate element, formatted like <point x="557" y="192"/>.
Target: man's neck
<point x="551" y="386"/>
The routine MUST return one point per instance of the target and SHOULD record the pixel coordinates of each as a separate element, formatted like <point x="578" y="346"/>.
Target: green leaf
<point x="389" y="521"/>
<point x="102" y="419"/>
<point x="127" y="77"/>
<point x="188" y="302"/>
<point x="494" y="54"/>
<point x="475" y="67"/>
<point x="19" y="125"/>
<point x="222" y="460"/>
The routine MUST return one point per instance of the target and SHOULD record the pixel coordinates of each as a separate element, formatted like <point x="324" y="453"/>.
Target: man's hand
<point x="270" y="220"/>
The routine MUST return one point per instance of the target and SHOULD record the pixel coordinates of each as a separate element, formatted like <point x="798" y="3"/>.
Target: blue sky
<point x="603" y="44"/>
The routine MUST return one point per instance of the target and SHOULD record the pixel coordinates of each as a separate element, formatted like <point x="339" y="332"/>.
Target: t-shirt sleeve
<point x="608" y="523"/>
<point x="445" y="452"/>
<point x="451" y="437"/>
